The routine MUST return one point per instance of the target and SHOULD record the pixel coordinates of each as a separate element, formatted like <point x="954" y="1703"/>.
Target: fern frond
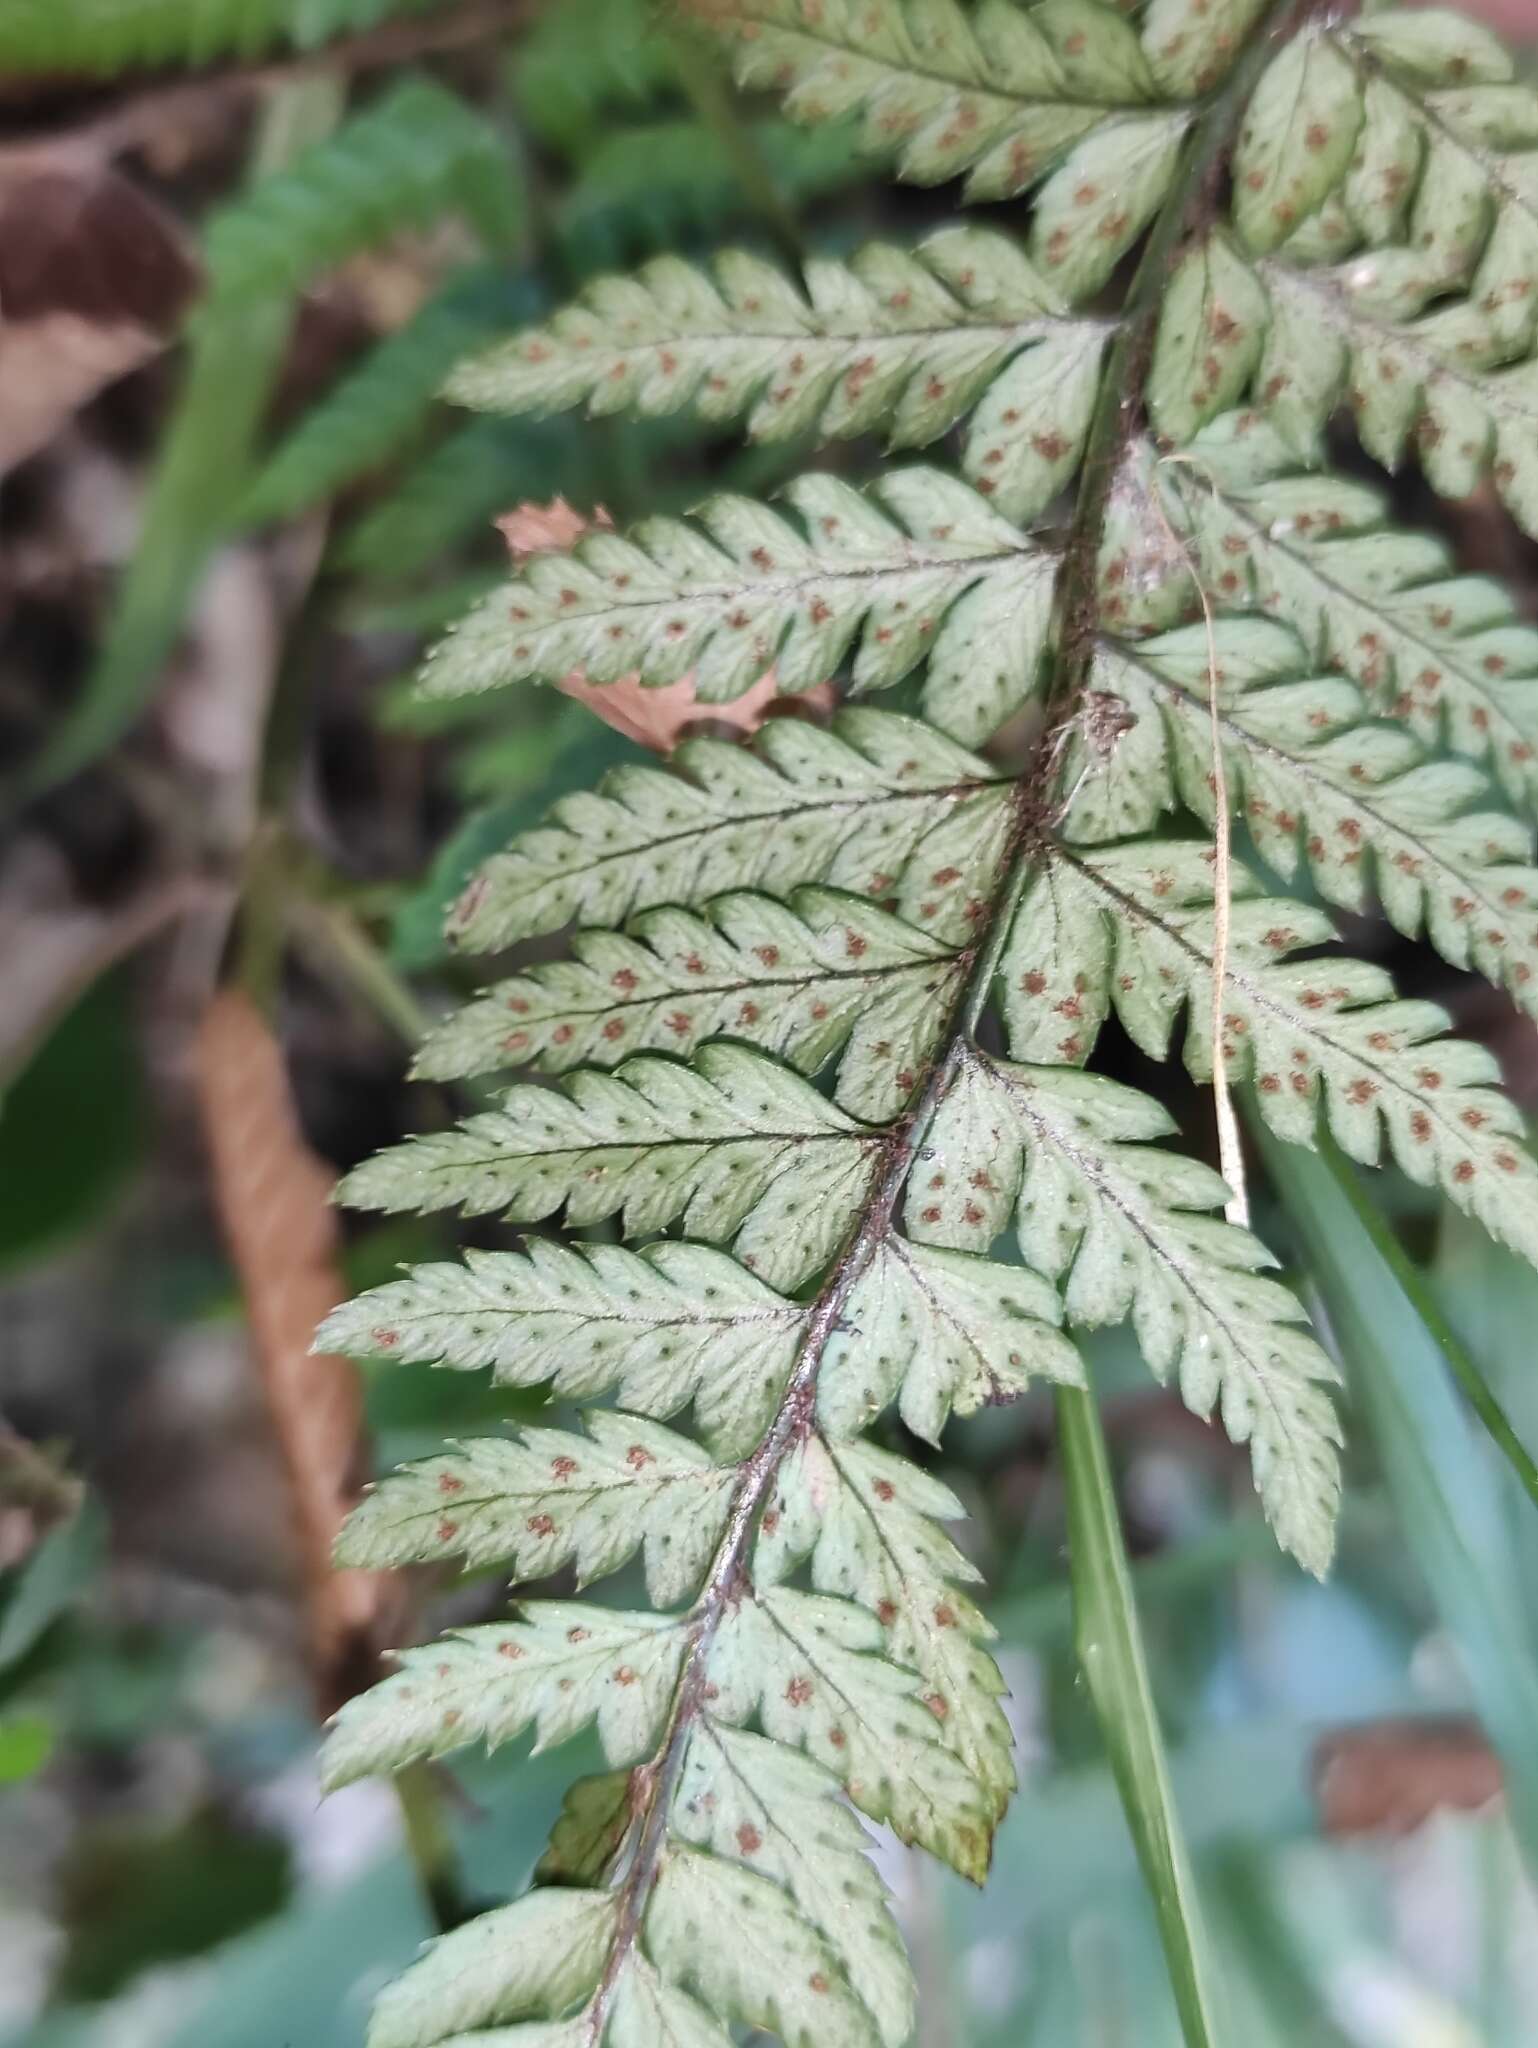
<point x="1445" y="383"/>
<point x="738" y="1789"/>
<point x="823" y="973"/>
<point x="735" y="1146"/>
<point x="567" y="1664"/>
<point x="937" y="1330"/>
<point x="673" y="1324"/>
<point x="1005" y="95"/>
<point x="552" y="1498"/>
<point x="399" y="164"/>
<point x="882" y="806"/>
<point x="865" y="1521"/>
<point x="1125" y="1232"/>
<point x="1443" y="652"/>
<point x="1132" y="927"/>
<point x="1298" y="137"/>
<point x="375" y="409"/>
<point x="896" y="342"/>
<point x="458" y="487"/>
<point x="919" y="567"/>
<point x="656" y="183"/>
<point x="99" y="37"/>
<point x="879" y="894"/>
<point x="1320" y="785"/>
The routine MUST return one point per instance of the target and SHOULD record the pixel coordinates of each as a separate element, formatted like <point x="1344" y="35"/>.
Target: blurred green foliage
<point x="591" y="141"/>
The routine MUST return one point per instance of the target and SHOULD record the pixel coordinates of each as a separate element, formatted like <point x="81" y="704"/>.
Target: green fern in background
<point x="108" y="36"/>
<point x="942" y="939"/>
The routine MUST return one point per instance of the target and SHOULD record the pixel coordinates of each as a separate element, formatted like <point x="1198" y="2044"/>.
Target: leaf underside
<point x="748" y="1043"/>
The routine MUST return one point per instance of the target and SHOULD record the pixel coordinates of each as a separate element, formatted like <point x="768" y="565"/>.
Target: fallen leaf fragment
<point x="655" y="718"/>
<point x="273" y="1196"/>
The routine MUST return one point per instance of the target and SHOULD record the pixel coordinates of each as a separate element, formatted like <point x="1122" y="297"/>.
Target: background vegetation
<point x="241" y="243"/>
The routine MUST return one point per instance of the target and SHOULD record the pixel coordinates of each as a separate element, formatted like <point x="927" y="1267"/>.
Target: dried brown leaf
<point x="1389" y="1777"/>
<point x="655" y="718"/>
<point x="94" y="278"/>
<point x="273" y="1197"/>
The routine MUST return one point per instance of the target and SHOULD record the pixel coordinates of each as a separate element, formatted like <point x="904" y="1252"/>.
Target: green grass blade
<point x="1435" y="1472"/>
<point x="1414" y="1286"/>
<point x="1110" y="1647"/>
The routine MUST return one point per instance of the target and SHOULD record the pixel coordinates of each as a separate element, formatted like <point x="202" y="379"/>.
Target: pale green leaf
<point x="999" y="92"/>
<point x="1444" y="652"/>
<point x="734" y="1146"/>
<point x="1028" y="431"/>
<point x="823" y="974"/>
<point x="567" y="1663"/>
<point x="1096" y="203"/>
<point x="857" y="807"/>
<point x="738" y="1940"/>
<point x="1212" y="326"/>
<point x="1354" y="801"/>
<point x="742" y="588"/>
<point x="1297" y="138"/>
<point x="664" y="1326"/>
<point x="866" y="1520"/>
<point x="897" y="342"/>
<point x="937" y="1330"/>
<point x="550" y="1498"/>
<point x="762" y="1805"/>
<point x="1133" y="927"/>
<point x="1436" y="44"/>
<point x="531" y="1959"/>
<point x="1441" y="383"/>
<point x="1191" y="44"/>
<point x="809" y="1669"/>
<point x="649" y="2013"/>
<point x="1126" y="1233"/>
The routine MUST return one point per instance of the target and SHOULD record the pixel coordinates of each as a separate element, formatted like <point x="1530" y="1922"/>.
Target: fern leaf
<point x="568" y="1663"/>
<point x="734" y="1145"/>
<point x="824" y="973"/>
<point x="761" y="1964"/>
<point x="743" y="1797"/>
<point x="675" y="1323"/>
<point x="935" y="1329"/>
<point x="882" y="806"/>
<point x="1136" y="922"/>
<point x="1212" y="329"/>
<point x="553" y="1498"/>
<point x="870" y="895"/>
<point x="397" y="165"/>
<point x="996" y="92"/>
<point x="904" y="343"/>
<point x="1471" y="136"/>
<point x="99" y="37"/>
<point x="866" y="1521"/>
<point x="801" y="1665"/>
<point x="920" y="567"/>
<point x="1191" y="43"/>
<point x="1318" y="783"/>
<point x="539" y="1955"/>
<point x="1298" y="137"/>
<point x="375" y="409"/>
<point x="1443" y="652"/>
<point x="1125" y="1232"/>
<point x="1443" y="382"/>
